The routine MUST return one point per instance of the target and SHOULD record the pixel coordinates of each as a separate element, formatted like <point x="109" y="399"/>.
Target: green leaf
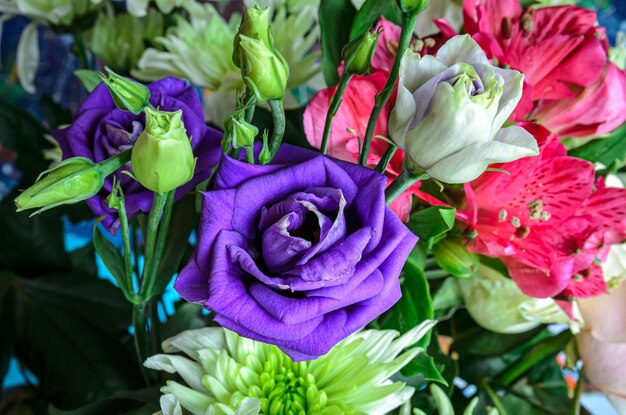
<point x="367" y="15"/>
<point x="335" y="17"/>
<point x="74" y="337"/>
<point x="432" y="224"/>
<point x="183" y="222"/>
<point x="448" y="295"/>
<point x="117" y="403"/>
<point x="110" y="255"/>
<point x="415" y="305"/>
<point x="425" y="367"/>
<point x="89" y="78"/>
<point x="607" y="150"/>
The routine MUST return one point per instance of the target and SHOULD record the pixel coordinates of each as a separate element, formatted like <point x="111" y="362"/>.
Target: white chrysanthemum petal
<point x="193" y="401"/>
<point x="170" y="405"/>
<point x="191" y="341"/>
<point x="190" y="371"/>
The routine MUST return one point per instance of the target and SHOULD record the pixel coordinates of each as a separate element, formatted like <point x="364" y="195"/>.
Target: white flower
<point x="223" y="373"/>
<point x="449" y="10"/>
<point x="139" y="8"/>
<point x="497" y="304"/>
<point x="450" y="110"/>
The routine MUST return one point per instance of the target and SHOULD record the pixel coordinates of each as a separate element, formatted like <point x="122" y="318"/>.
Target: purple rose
<point x="299" y="253"/>
<point x="101" y="130"/>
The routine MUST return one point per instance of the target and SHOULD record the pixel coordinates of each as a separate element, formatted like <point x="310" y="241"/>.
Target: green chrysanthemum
<point x="223" y="371"/>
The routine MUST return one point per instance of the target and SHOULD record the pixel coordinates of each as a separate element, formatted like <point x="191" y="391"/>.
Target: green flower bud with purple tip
<point x="162" y="157"/>
<point x="358" y="54"/>
<point x="265" y="72"/>
<point x="255" y="24"/>
<point x="127" y="94"/>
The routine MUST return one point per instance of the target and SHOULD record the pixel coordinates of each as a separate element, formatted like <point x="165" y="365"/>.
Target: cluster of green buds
<point x="264" y="69"/>
<point x="358" y="54"/>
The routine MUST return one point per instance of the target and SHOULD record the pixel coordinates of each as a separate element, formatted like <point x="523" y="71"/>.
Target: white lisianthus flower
<point x="224" y="373"/>
<point x="200" y="50"/>
<point x="450" y="111"/>
<point x="497" y="304"/>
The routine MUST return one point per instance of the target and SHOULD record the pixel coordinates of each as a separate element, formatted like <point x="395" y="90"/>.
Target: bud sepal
<point x="265" y="72"/>
<point x="358" y="54"/>
<point x="127" y="94"/>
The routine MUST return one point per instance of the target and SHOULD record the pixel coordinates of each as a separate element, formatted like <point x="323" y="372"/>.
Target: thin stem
<point x="111" y="164"/>
<point x="382" y="164"/>
<point x="141" y="330"/>
<point x="335" y="103"/>
<point x="578" y="392"/>
<point x="249" y="110"/>
<point x="494" y="397"/>
<point x="149" y="280"/>
<point x="249" y="155"/>
<point x="278" y="116"/>
<point x="128" y="261"/>
<point x="154" y="218"/>
<point x="135" y="250"/>
<point x="436" y="273"/>
<point x="401" y="183"/>
<point x="408" y="23"/>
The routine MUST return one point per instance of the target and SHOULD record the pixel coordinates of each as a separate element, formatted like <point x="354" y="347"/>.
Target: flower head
<point x="222" y="371"/>
<point x="450" y="111"/>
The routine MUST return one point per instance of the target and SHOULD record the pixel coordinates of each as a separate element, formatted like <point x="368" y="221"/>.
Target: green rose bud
<point x="127" y="94"/>
<point x="453" y="257"/>
<point x="71" y="181"/>
<point x="255" y="24"/>
<point x="240" y="133"/>
<point x="358" y="54"/>
<point x="162" y="158"/>
<point x="265" y="72"/>
<point x="412" y="6"/>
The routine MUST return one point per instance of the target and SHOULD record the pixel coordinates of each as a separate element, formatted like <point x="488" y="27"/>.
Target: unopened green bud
<point x="265" y="72"/>
<point x="127" y="94"/>
<point x="162" y="157"/>
<point x="412" y="6"/>
<point x="240" y="132"/>
<point x="265" y="156"/>
<point x="71" y="181"/>
<point x="255" y="24"/>
<point x="453" y="257"/>
<point x="358" y="54"/>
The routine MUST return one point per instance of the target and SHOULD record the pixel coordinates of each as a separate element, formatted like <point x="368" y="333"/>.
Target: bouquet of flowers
<point x="312" y="207"/>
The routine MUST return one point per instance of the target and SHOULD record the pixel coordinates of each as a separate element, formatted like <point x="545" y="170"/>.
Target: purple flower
<point x="299" y="253"/>
<point x="100" y="130"/>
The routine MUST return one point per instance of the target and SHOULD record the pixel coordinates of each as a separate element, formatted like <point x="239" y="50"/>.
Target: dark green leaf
<point x="110" y="255"/>
<point x="415" y="306"/>
<point x="607" y="150"/>
<point x="84" y="259"/>
<point x="335" y="18"/>
<point x="74" y="337"/>
<point x="431" y="224"/>
<point x="367" y="15"/>
<point x="183" y="222"/>
<point x="424" y="367"/>
<point x="89" y="78"/>
<point x="117" y="403"/>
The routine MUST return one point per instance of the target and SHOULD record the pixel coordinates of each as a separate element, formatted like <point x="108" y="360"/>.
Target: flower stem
<point x="578" y="392"/>
<point x="112" y="164"/>
<point x="140" y="324"/>
<point x="249" y="155"/>
<point x="494" y="397"/>
<point x="128" y="262"/>
<point x="401" y="183"/>
<point x="382" y="164"/>
<point x="335" y="103"/>
<point x="148" y="285"/>
<point x="278" y="116"/>
<point x="408" y="23"/>
<point x="250" y="109"/>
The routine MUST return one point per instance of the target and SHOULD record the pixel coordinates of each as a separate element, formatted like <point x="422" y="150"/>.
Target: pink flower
<point x="547" y="221"/>
<point x="563" y="55"/>
<point x="602" y="345"/>
<point x="349" y="127"/>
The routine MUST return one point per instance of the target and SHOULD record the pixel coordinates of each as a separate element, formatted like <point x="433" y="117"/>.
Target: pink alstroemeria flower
<point x="349" y="127"/>
<point x="547" y="221"/>
<point x="569" y="87"/>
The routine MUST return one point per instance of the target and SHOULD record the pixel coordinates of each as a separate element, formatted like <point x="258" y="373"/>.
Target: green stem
<point x="436" y="273"/>
<point x="141" y="330"/>
<point x="382" y="164"/>
<point x="401" y="183"/>
<point x="111" y="164"/>
<point x="494" y="397"/>
<point x="249" y="110"/>
<point x="128" y="261"/>
<point x="335" y="103"/>
<point x="578" y="392"/>
<point x="278" y="116"/>
<point x="408" y="23"/>
<point x="537" y="353"/>
<point x="158" y="231"/>
<point x="249" y="155"/>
